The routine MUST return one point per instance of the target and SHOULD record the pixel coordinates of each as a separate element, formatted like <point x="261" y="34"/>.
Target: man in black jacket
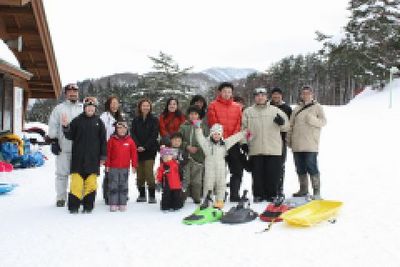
<point x="88" y="135"/>
<point x="276" y="97"/>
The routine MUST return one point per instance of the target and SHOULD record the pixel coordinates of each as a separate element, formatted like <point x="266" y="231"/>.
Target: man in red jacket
<point x="225" y="111"/>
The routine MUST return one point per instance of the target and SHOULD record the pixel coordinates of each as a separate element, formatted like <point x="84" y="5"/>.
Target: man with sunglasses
<point x="265" y="122"/>
<point x="60" y="146"/>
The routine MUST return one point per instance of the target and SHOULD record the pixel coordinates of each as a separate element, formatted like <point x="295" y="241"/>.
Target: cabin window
<point x="6" y="103"/>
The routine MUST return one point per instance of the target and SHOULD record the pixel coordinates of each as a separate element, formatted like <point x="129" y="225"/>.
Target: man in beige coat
<point x="303" y="138"/>
<point x="265" y="122"/>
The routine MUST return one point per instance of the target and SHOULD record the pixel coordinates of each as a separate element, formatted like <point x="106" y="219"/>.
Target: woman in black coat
<point x="145" y="134"/>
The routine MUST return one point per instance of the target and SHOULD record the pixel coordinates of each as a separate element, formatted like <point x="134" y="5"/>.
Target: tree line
<point x="363" y="56"/>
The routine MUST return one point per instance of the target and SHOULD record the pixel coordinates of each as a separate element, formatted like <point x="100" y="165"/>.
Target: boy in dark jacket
<point x="168" y="179"/>
<point x="88" y="135"/>
<point x="121" y="153"/>
<point x="193" y="170"/>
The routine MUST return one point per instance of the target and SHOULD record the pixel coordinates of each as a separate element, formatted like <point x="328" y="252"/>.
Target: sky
<point x="94" y="38"/>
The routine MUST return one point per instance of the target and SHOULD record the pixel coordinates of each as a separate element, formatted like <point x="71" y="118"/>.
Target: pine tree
<point x="374" y="31"/>
<point x="166" y="81"/>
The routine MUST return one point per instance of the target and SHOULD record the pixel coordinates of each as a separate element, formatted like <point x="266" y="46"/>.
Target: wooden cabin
<point x="23" y="27"/>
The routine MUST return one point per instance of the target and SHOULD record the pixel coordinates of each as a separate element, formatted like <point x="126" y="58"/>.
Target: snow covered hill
<point x="228" y="74"/>
<point x="359" y="166"/>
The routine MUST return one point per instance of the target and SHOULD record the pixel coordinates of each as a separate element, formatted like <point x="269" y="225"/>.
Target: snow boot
<point x="303" y="181"/>
<point x="73" y="211"/>
<point x="113" y="208"/>
<point x="152" y="196"/>
<point x="142" y="194"/>
<point x="60" y="203"/>
<point x="316" y="185"/>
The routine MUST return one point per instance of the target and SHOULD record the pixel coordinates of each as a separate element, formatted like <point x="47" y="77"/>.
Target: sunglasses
<point x="90" y="101"/>
<point x="73" y="87"/>
<point x="121" y="124"/>
<point x="260" y="91"/>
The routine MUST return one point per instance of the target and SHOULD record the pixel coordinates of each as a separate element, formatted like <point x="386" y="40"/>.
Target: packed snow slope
<point x="358" y="164"/>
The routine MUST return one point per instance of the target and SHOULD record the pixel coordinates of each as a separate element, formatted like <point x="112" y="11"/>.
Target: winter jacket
<point x="259" y="120"/>
<point x="121" y="152"/>
<point x="108" y="120"/>
<point x="89" y="146"/>
<point x="305" y="127"/>
<point x="227" y="113"/>
<point x="72" y="110"/>
<point x="171" y="171"/>
<point x="170" y="124"/>
<point x="215" y="164"/>
<point x="189" y="139"/>
<point x="145" y="133"/>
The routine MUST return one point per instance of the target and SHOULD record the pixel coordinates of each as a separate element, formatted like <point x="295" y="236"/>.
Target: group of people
<point x="195" y="148"/>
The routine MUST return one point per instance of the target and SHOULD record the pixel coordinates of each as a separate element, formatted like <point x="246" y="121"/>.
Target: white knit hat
<point x="217" y="128"/>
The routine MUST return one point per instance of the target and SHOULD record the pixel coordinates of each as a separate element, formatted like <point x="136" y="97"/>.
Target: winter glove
<point x="158" y="187"/>
<point x="245" y="148"/>
<point x="197" y="123"/>
<point x="55" y="147"/>
<point x="279" y="120"/>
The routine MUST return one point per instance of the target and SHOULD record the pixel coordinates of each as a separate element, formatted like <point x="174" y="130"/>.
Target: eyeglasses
<point x="260" y="90"/>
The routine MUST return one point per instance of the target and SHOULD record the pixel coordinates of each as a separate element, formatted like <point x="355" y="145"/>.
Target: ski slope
<point x="358" y="164"/>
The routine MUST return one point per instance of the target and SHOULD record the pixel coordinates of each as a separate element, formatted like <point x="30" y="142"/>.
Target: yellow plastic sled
<point x="311" y="213"/>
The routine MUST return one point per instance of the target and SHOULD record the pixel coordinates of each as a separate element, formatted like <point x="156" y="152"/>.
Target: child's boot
<point x="219" y="204"/>
<point x="113" y="208"/>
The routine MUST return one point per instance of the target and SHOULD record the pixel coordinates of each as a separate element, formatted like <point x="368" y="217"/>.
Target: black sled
<point x="241" y="213"/>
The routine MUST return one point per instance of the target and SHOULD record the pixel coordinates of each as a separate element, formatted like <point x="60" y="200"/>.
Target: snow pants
<point x="171" y="199"/>
<point x="215" y="178"/>
<point x="118" y="186"/>
<point x="193" y="177"/>
<point x="82" y="191"/>
<point x="236" y="169"/>
<point x="63" y="164"/>
<point x="266" y="176"/>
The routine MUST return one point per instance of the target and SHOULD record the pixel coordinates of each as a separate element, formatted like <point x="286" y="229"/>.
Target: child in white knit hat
<point x="215" y="149"/>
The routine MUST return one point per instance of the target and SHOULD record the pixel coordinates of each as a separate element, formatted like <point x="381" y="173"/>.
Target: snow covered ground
<point x="358" y="163"/>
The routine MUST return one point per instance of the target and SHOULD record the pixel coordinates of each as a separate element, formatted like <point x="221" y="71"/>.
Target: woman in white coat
<point x="111" y="115"/>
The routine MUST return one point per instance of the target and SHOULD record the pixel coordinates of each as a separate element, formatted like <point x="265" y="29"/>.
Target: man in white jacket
<point x="61" y="146"/>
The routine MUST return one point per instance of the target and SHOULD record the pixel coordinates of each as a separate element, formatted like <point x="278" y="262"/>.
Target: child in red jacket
<point x="121" y="153"/>
<point x="169" y="180"/>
